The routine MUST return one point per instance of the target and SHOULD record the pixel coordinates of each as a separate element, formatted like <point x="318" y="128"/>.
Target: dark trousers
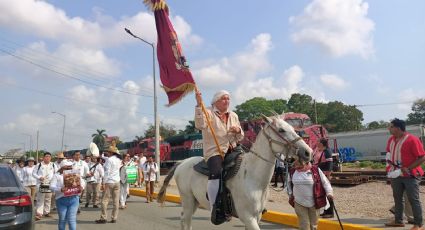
<point x="411" y="186"/>
<point x="279" y="173"/>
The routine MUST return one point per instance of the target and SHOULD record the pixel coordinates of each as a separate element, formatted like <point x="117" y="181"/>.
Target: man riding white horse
<point x="228" y="132"/>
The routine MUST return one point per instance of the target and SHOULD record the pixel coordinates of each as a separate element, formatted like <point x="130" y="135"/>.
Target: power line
<point x="92" y="74"/>
<point x="83" y="101"/>
<point x="383" y="104"/>
<point x="69" y="76"/>
<point x="68" y="98"/>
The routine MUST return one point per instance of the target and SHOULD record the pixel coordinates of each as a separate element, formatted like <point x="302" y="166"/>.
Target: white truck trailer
<point x="367" y="145"/>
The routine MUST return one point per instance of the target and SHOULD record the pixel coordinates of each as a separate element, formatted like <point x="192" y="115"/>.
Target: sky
<point x="74" y="58"/>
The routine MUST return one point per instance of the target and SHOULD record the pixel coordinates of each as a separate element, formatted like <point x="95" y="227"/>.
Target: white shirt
<point x="142" y="161"/>
<point x="148" y="174"/>
<point x="303" y="187"/>
<point x="98" y="172"/>
<point x="57" y="185"/>
<point x="43" y="170"/>
<point x="28" y="179"/>
<point x="20" y="173"/>
<point x="112" y="170"/>
<point x="82" y="166"/>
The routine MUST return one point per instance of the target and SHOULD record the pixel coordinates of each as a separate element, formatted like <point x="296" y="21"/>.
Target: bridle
<point x="286" y="143"/>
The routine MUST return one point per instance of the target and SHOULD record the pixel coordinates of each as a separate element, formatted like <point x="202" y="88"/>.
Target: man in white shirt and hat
<point x="111" y="184"/>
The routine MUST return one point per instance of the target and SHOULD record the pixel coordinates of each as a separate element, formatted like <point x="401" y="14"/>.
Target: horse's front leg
<point x="251" y="223"/>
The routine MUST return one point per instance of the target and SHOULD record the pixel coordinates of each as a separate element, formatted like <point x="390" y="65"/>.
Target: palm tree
<point x="99" y="138"/>
<point x="138" y="139"/>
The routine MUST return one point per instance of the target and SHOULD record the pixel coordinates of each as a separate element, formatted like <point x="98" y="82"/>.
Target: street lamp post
<point x="63" y="129"/>
<point x="29" y="135"/>
<point x="155" y="100"/>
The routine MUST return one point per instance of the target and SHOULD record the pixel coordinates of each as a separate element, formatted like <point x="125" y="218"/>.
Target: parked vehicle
<point x="367" y="145"/>
<point x="184" y="146"/>
<point x="16" y="210"/>
<point x="302" y="124"/>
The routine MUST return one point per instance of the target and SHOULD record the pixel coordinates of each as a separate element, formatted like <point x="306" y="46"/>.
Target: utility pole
<point x="30" y="136"/>
<point x="37" y="146"/>
<point x="315" y="110"/>
<point x="155" y="100"/>
<point x="63" y="129"/>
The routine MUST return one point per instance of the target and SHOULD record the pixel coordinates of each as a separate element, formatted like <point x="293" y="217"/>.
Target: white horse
<point x="249" y="185"/>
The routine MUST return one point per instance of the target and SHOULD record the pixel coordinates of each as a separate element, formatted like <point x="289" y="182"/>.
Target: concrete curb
<point x="272" y="216"/>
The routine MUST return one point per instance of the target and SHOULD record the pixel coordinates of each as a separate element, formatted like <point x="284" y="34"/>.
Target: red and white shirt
<point x="404" y="152"/>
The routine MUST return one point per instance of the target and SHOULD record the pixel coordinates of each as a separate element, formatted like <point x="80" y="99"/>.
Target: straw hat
<point x="60" y="156"/>
<point x="113" y="149"/>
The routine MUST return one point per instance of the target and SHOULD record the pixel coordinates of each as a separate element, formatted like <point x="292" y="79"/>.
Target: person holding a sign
<point x="67" y="185"/>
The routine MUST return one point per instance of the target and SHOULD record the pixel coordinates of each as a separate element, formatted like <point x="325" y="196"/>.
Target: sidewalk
<point x="286" y="208"/>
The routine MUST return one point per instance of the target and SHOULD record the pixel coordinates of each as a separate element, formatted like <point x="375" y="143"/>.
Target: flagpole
<point x="204" y="110"/>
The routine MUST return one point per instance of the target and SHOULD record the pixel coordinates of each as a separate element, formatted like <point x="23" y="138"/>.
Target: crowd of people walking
<point x="101" y="179"/>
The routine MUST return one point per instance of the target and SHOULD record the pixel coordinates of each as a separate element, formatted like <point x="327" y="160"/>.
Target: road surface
<point x="140" y="215"/>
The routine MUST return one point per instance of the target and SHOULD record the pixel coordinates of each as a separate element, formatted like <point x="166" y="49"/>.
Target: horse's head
<point x="283" y="139"/>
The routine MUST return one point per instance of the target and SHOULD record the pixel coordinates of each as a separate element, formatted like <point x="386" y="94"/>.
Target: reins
<point x="271" y="141"/>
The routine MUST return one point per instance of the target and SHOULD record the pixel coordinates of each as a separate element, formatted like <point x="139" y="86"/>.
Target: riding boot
<point x="212" y="189"/>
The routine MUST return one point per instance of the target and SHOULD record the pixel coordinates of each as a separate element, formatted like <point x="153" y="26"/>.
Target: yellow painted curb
<point x="273" y="216"/>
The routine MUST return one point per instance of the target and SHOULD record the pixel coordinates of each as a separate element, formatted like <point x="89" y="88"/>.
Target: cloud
<point x="53" y="23"/>
<point x="87" y="63"/>
<point x="409" y="95"/>
<point x="270" y="88"/>
<point x="339" y="27"/>
<point x="241" y="67"/>
<point x="119" y="114"/>
<point x="293" y="80"/>
<point x="333" y="82"/>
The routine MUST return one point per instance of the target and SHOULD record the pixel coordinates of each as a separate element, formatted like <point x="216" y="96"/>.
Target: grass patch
<point x="365" y="164"/>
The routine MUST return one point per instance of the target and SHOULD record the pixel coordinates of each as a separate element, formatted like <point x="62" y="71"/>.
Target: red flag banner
<point x="175" y="74"/>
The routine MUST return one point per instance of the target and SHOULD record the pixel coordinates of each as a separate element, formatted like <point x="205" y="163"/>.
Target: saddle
<point x="223" y="208"/>
<point x="231" y="164"/>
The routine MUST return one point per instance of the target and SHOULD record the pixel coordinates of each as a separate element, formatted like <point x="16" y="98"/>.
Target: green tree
<point x="165" y="131"/>
<point x="189" y="129"/>
<point x="138" y="139"/>
<point x="99" y="138"/>
<point x="340" y="117"/>
<point x="418" y="114"/>
<point x="301" y="103"/>
<point x="253" y="108"/>
<point x="377" y="125"/>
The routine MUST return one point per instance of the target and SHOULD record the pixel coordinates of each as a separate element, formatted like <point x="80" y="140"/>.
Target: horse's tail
<point x="163" y="190"/>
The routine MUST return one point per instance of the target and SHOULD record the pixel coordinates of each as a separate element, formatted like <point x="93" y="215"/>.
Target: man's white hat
<point x="218" y="95"/>
<point x="66" y="163"/>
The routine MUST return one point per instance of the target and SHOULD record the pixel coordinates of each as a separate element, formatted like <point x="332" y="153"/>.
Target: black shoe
<point x="95" y="206"/>
<point x="78" y="211"/>
<point x="327" y="216"/>
<point x="87" y="205"/>
<point x="113" y="221"/>
<point x="100" y="221"/>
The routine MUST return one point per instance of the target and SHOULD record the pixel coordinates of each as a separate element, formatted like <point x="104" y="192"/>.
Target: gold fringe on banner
<point x="184" y="88"/>
<point x="159" y="5"/>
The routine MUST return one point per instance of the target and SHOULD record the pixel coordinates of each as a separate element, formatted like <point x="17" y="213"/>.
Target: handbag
<point x="44" y="188"/>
